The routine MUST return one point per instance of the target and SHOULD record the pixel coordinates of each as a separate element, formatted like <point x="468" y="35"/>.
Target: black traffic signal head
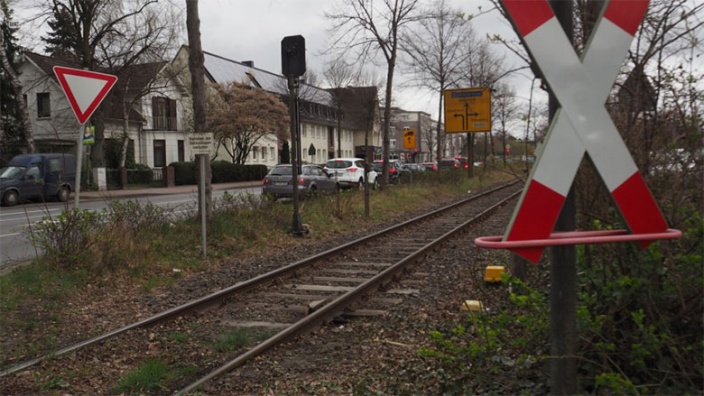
<point x="293" y="56"/>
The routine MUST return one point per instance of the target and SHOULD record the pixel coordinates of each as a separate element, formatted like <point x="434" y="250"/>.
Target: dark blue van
<point x="37" y="176"/>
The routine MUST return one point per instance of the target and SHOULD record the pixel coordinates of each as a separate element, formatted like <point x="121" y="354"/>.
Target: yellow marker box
<point x="493" y="273"/>
<point x="471" y="305"/>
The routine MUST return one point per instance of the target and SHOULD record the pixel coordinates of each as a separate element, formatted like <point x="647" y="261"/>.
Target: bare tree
<point x="82" y="30"/>
<point x="240" y="116"/>
<point x="338" y="74"/>
<point x="437" y="53"/>
<point x="136" y="55"/>
<point x="367" y="28"/>
<point x="503" y="109"/>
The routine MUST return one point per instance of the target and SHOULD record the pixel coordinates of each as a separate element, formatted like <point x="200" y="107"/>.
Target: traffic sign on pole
<point x="582" y="125"/>
<point x="467" y="110"/>
<point x="409" y="139"/>
<point x="84" y="89"/>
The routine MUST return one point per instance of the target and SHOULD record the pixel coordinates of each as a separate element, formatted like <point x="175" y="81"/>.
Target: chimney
<point x="248" y="63"/>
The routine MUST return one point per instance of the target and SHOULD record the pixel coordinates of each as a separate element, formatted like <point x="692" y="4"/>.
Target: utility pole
<point x="563" y="267"/>
<point x="293" y="65"/>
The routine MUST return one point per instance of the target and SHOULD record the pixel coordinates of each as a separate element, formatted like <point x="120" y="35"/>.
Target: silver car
<point x="278" y="182"/>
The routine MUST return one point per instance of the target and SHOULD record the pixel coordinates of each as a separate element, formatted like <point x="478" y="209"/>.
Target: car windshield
<point x="280" y="171"/>
<point x="339" y="164"/>
<point x="11" y="172"/>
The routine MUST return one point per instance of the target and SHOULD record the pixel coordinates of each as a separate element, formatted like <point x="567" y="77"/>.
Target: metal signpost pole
<point x="563" y="268"/>
<point x="79" y="166"/>
<point x="296" y="227"/>
<point x="293" y="65"/>
<point x="204" y="245"/>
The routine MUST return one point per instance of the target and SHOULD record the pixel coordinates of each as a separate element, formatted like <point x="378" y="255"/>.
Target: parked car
<point x="313" y="179"/>
<point x="464" y="162"/>
<point x="33" y="176"/>
<point x="396" y="169"/>
<point x="430" y="166"/>
<point x="349" y="172"/>
<point x="449" y="163"/>
<point x="415" y="167"/>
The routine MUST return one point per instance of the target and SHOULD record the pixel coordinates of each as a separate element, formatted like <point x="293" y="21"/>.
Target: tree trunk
<point x="196" y="66"/>
<point x="125" y="136"/>
<point x="97" y="153"/>
<point x="385" y="142"/>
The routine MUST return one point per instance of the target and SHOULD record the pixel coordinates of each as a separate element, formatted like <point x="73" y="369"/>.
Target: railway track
<point x="304" y="295"/>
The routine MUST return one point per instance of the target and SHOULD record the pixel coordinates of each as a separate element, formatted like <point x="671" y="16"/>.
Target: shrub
<point x="223" y="171"/>
<point x="184" y="173"/>
<point x="67" y="239"/>
<point x="140" y="174"/>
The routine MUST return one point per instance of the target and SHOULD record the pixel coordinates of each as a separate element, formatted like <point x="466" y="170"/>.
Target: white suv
<point x="349" y="172"/>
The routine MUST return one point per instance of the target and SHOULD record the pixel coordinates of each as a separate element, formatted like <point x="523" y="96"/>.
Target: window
<point x="159" y="153"/>
<point x="255" y="153"/>
<point x="33" y="173"/>
<point x="304" y="130"/>
<point x="43" y="105"/>
<point x="56" y="165"/>
<point x="263" y="153"/>
<point x="181" y="151"/>
<point x="392" y="142"/>
<point x="164" y="113"/>
<point x="271" y="152"/>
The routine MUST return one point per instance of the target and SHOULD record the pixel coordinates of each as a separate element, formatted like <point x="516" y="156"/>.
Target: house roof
<point x="131" y="79"/>
<point x="223" y="70"/>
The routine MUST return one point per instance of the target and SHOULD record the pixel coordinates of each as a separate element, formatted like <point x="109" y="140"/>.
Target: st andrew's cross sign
<point x="582" y="125"/>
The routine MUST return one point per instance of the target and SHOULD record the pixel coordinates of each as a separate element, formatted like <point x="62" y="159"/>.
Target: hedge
<point x="223" y="172"/>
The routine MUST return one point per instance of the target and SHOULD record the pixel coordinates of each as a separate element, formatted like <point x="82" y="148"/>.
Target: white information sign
<point x="200" y="143"/>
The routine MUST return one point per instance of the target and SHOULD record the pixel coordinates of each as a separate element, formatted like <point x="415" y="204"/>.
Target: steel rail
<point x="333" y="308"/>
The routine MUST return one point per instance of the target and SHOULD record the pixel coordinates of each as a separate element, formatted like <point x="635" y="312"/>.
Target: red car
<point x="463" y="161"/>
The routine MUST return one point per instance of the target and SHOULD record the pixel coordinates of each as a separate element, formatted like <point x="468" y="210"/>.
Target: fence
<point x="146" y="177"/>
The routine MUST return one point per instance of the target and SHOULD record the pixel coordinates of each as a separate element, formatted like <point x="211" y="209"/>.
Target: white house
<point x="145" y="104"/>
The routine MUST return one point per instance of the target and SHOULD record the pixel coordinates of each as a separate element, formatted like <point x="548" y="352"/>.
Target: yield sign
<point x="582" y="125"/>
<point x="84" y="89"/>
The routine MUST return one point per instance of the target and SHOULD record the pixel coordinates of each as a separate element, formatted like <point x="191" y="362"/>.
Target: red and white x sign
<point x="582" y="124"/>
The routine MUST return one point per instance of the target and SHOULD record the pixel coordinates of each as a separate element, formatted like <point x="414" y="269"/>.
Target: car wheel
<point x="313" y="191"/>
<point x="375" y="185"/>
<point x="63" y="194"/>
<point x="360" y="185"/>
<point x="10" y="198"/>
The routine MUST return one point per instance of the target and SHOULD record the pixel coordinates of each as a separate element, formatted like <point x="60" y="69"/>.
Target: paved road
<point x="15" y="247"/>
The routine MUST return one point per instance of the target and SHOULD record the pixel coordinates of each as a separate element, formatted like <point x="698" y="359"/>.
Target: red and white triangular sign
<point x="84" y="89"/>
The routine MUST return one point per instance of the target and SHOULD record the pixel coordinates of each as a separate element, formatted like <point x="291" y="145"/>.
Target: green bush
<point x="640" y="315"/>
<point x="222" y="172"/>
<point x="68" y="238"/>
<point x="140" y="174"/>
<point x="184" y="173"/>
